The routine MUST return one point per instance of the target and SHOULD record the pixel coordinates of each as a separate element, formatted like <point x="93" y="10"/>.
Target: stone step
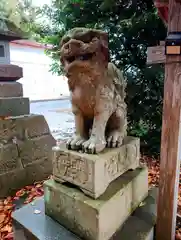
<point x="105" y="215"/>
<point x="94" y="173"/>
<point x="41" y="227"/>
<point x="14" y="106"/>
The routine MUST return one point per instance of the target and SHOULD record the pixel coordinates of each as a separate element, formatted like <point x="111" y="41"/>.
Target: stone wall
<point x="25" y="152"/>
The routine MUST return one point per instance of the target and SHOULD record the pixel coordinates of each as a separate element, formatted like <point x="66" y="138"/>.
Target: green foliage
<point x="132" y="27"/>
<point x="22" y="14"/>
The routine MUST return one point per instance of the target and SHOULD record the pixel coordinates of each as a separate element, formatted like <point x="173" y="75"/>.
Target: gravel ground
<point x="58" y="115"/>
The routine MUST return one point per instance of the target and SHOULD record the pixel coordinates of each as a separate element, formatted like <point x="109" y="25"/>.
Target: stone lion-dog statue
<point x="97" y="91"/>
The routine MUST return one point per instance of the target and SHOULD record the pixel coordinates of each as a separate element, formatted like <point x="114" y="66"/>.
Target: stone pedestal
<point x="93" y="173"/>
<point x="139" y="226"/>
<point x="96" y="219"/>
<point x="94" y="195"/>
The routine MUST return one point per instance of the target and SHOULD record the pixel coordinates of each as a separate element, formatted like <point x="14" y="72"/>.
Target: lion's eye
<point x="71" y="59"/>
<point x="65" y="40"/>
<point x="87" y="56"/>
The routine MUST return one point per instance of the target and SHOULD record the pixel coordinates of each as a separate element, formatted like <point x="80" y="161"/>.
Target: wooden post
<point x="170" y="156"/>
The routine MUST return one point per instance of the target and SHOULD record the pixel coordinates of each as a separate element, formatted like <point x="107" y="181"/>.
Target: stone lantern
<point x="25" y="139"/>
<point x="12" y="102"/>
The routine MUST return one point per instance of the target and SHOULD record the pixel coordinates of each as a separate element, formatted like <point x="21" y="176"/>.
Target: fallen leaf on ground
<point x="37" y="211"/>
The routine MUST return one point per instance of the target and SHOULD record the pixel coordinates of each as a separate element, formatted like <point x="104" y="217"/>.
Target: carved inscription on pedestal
<point x="122" y="160"/>
<point x="72" y="167"/>
<point x="94" y="173"/>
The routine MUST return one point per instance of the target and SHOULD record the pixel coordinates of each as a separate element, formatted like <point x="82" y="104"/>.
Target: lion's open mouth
<point x="83" y="57"/>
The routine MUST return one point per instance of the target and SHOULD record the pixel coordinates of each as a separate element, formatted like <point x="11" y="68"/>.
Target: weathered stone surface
<point x="39" y="170"/>
<point x="16" y="179"/>
<point x="135" y="228"/>
<point x="25" y="152"/>
<point x="140" y="226"/>
<point x="11" y="89"/>
<point x="23" y="128"/>
<point x="11" y="181"/>
<point x="105" y="216"/>
<point x="10" y="72"/>
<point x="9" y="158"/>
<point x="93" y="173"/>
<point x="34" y="149"/>
<point x="147" y="211"/>
<point x="34" y="126"/>
<point x="14" y="106"/>
<point x="97" y="91"/>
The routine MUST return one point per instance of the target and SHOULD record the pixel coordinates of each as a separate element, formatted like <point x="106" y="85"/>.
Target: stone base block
<point x="16" y="179"/>
<point x="11" y="89"/>
<point x="15" y="106"/>
<point x="23" y="128"/>
<point x="93" y="173"/>
<point x="139" y="226"/>
<point x="96" y="219"/>
<point x="25" y="152"/>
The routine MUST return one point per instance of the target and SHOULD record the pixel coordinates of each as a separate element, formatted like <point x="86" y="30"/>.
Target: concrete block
<point x="96" y="219"/>
<point x="35" y="149"/>
<point x="93" y="173"/>
<point x="23" y="127"/>
<point x="11" y="89"/>
<point x="14" y="106"/>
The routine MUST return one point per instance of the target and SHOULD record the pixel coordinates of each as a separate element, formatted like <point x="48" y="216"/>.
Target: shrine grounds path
<point x="58" y="115"/>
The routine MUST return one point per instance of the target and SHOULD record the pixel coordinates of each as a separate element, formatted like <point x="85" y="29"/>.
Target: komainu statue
<point x="97" y="90"/>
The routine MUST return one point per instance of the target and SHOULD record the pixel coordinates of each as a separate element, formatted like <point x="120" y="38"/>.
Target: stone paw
<point x="93" y="146"/>
<point x="75" y="143"/>
<point x="114" y="139"/>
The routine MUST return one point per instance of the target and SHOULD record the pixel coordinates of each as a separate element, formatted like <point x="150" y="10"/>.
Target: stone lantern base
<point x="10" y="72"/>
<point x="25" y="139"/>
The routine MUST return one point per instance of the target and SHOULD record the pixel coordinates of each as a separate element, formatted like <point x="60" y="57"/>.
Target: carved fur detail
<point x="97" y="91"/>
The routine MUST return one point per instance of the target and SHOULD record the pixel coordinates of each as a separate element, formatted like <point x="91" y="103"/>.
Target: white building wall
<point x="38" y="82"/>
